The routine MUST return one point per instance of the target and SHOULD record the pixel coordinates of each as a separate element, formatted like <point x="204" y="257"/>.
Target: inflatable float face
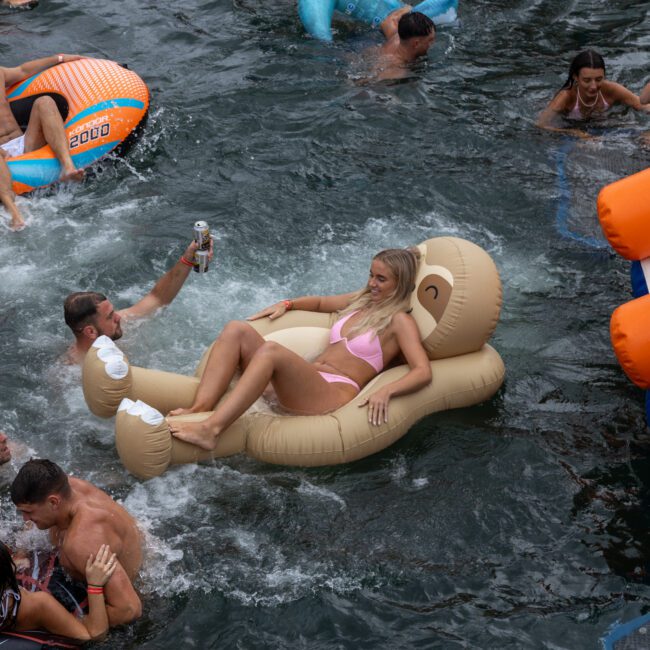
<point x="102" y="105"/>
<point x="457" y="297"/>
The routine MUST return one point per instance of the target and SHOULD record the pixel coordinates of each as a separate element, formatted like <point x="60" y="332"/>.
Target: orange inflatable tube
<point x="624" y="213"/>
<point x="102" y="104"/>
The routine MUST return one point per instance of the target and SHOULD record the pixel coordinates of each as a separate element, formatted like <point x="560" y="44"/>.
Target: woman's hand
<point x="377" y="406"/>
<point x="99" y="569"/>
<point x="273" y="312"/>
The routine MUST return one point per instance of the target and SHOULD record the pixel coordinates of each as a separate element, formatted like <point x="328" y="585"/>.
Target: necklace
<point x="584" y="103"/>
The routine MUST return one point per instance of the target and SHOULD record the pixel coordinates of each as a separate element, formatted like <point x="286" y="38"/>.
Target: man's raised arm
<point x="166" y="288"/>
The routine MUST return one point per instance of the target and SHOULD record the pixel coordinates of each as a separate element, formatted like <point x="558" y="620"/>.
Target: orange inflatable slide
<point x="624" y="213"/>
<point x="102" y="103"/>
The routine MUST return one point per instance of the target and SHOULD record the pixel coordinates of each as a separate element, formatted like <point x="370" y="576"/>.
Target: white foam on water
<point x="309" y="489"/>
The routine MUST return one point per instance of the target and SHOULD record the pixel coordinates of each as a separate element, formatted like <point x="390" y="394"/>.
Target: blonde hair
<point x="403" y="263"/>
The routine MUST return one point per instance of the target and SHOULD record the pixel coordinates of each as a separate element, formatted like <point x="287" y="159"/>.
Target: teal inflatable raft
<point x="316" y="15"/>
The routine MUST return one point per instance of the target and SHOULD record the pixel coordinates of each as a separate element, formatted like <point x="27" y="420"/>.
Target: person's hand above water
<point x="377" y="406"/>
<point x="100" y="568"/>
<point x="191" y="249"/>
<point x="273" y="312"/>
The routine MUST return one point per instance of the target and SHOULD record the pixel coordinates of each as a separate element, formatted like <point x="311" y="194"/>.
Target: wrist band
<point x="60" y="57"/>
<point x="288" y="304"/>
<point x="94" y="591"/>
<point x="186" y="262"/>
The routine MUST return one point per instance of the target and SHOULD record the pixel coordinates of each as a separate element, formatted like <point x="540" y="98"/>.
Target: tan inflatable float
<point x="456" y="304"/>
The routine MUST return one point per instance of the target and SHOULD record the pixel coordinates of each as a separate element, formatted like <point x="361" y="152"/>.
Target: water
<point x="520" y="523"/>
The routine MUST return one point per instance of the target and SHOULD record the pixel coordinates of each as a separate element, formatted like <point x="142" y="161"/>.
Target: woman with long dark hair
<point x="22" y="610"/>
<point x="586" y="94"/>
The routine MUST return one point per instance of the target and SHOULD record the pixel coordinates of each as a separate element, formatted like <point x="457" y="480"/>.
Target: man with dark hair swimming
<point x="80" y="518"/>
<point x="409" y="35"/>
<point x="90" y="314"/>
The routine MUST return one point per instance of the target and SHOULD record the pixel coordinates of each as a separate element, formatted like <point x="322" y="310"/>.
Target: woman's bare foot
<point x="72" y="174"/>
<point x="181" y="412"/>
<point x="200" y="434"/>
<point x="17" y="222"/>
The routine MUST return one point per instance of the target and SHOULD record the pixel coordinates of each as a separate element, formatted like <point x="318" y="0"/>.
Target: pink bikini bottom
<point x="340" y="379"/>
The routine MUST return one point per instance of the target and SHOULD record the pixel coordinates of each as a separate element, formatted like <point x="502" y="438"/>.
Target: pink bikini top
<point x="576" y="114"/>
<point x="365" y="346"/>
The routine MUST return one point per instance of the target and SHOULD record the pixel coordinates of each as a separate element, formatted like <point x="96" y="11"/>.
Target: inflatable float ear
<point x="457" y="297"/>
<point x="107" y="378"/>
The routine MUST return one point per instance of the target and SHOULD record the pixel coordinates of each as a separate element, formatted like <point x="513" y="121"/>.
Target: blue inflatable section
<point x="632" y="634"/>
<point x="316" y="15"/>
<point x="640" y="288"/>
<point x="639" y="284"/>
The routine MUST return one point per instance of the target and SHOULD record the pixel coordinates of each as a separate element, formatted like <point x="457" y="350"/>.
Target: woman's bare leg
<point x="296" y="382"/>
<point x="232" y="350"/>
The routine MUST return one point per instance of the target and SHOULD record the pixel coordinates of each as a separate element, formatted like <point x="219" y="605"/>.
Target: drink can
<point x="201" y="259"/>
<point x="202" y="235"/>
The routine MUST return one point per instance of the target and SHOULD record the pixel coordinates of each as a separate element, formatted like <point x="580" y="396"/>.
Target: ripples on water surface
<point x="521" y="523"/>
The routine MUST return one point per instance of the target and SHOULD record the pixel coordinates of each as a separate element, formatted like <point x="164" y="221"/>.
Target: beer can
<point x="202" y="235"/>
<point x="201" y="259"/>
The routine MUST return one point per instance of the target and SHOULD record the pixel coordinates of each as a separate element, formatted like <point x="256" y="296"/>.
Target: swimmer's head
<point x="586" y="64"/>
<point x="7" y="570"/>
<point x="37" y="479"/>
<point x="90" y="314"/>
<point x="418" y="30"/>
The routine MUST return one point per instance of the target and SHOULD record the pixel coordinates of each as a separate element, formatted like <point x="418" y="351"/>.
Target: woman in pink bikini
<point x="374" y="329"/>
<point x="585" y="94"/>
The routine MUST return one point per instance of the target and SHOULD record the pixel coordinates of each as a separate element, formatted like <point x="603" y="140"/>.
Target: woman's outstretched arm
<point x="323" y="304"/>
<point x="419" y="375"/>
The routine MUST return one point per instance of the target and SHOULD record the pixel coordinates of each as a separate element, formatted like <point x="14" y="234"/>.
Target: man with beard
<point x="90" y="314"/>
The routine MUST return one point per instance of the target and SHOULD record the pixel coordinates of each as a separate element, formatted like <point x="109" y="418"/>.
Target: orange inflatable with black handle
<point x="102" y="103"/>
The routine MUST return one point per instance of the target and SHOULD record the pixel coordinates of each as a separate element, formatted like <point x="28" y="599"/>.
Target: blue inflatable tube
<point x="316" y="15"/>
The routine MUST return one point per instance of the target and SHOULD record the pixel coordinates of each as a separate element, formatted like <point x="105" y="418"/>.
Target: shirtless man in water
<point x="45" y="126"/>
<point x="80" y="518"/>
<point x="409" y="35"/>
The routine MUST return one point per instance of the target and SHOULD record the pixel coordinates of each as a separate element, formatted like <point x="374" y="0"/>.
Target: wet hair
<point x="80" y="309"/>
<point x="37" y="479"/>
<point x="403" y="263"/>
<point x="586" y="59"/>
<point x="414" y="24"/>
<point x="7" y="570"/>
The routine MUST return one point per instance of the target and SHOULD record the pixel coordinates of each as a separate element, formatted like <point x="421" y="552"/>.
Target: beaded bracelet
<point x="288" y="304"/>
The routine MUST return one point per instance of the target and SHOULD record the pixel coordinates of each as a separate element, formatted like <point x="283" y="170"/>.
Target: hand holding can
<point x="203" y="245"/>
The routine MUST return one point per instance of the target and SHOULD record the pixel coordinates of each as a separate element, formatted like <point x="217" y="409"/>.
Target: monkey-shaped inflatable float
<point x="456" y="304"/>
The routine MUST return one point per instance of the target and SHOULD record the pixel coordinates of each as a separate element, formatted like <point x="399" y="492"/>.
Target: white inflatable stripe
<point x="146" y="413"/>
<point x="645" y="267"/>
<point x="103" y="341"/>
<point x="125" y="405"/>
<point x="116" y="367"/>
